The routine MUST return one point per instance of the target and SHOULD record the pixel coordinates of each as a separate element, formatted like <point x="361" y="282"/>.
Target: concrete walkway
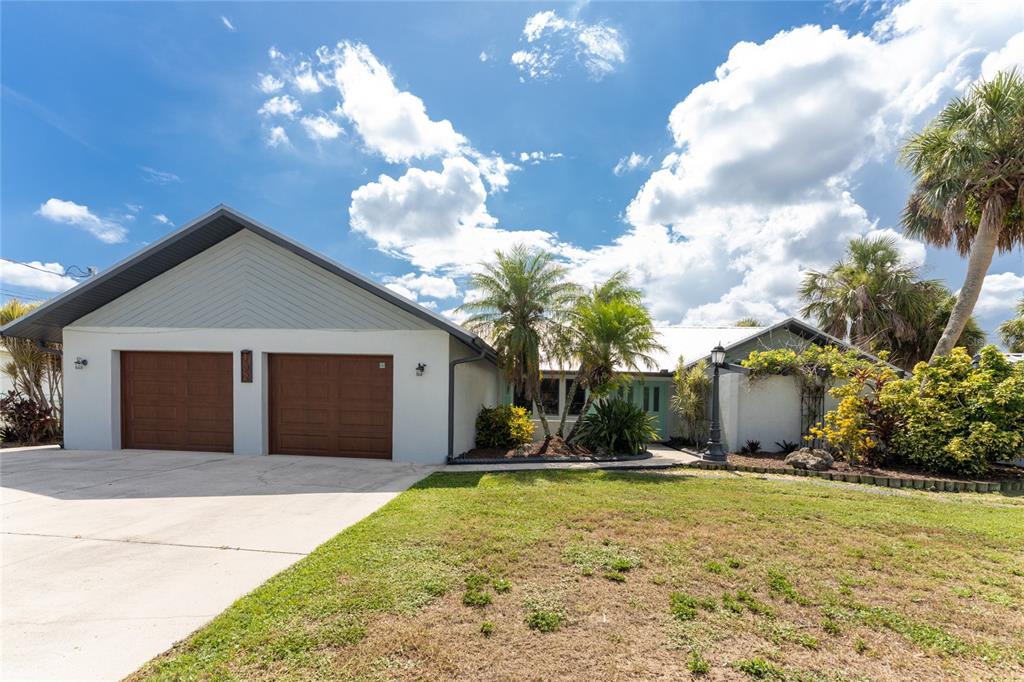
<point x="663" y="458"/>
<point x="108" y="558"/>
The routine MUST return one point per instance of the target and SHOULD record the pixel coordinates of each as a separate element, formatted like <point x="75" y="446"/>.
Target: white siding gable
<point x="248" y="282"/>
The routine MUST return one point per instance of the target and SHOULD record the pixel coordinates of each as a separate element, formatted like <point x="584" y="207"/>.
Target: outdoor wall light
<point x="80" y="363"/>
<point x="420" y="368"/>
<point x="718" y="355"/>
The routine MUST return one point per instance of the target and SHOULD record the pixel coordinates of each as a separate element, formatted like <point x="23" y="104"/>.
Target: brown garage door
<point x="334" y="405"/>
<point x="176" y="401"/>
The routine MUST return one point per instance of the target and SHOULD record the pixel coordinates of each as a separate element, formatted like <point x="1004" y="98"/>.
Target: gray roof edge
<point x="806" y="329"/>
<point x="281" y="240"/>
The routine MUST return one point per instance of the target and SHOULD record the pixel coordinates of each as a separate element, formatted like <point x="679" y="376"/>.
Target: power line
<point x="24" y="297"/>
<point x="73" y="271"/>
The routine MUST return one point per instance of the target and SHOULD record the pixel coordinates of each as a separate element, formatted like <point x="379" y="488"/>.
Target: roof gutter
<point x="481" y="348"/>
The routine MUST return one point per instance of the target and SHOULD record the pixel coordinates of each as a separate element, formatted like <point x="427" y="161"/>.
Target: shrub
<point x="25" y="421"/>
<point x="505" y="426"/>
<point x="787" y="446"/>
<point x="958" y="417"/>
<point x="751" y="447"/>
<point x="859" y="429"/>
<point x="617" y="426"/>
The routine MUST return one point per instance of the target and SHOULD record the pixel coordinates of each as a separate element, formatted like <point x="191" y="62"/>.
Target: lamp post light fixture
<point x="716" y="452"/>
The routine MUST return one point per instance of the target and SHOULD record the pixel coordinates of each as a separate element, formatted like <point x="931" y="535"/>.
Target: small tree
<point x="690" y="398"/>
<point x="36" y="373"/>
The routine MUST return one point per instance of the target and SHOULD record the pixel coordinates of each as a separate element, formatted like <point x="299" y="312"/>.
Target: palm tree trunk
<point x="982" y="250"/>
<point x="579" y="420"/>
<point x="568" y="401"/>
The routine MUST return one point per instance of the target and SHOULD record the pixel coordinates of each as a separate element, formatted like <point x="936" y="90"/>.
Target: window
<point x="657" y="398"/>
<point x="647" y="399"/>
<point x="576" y="406"/>
<point x="520" y="400"/>
<point x="549" y="395"/>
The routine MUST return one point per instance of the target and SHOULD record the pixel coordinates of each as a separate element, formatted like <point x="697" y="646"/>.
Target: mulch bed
<point x="773" y="460"/>
<point x="557" y="447"/>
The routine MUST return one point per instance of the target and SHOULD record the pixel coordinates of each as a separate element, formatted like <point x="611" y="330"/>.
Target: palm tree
<point x="34" y="372"/>
<point x="690" y="396"/>
<point x="749" y="322"/>
<point x="871" y="296"/>
<point x="1012" y="331"/>
<point x="523" y="299"/>
<point x="612" y="334"/>
<point x="567" y="350"/>
<point x="907" y="353"/>
<point x="968" y="167"/>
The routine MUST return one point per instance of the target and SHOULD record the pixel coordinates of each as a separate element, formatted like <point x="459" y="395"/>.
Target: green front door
<point x="653" y="396"/>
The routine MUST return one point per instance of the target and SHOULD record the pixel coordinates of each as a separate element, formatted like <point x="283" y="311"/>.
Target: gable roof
<point x="46" y="323"/>
<point x="804" y="330"/>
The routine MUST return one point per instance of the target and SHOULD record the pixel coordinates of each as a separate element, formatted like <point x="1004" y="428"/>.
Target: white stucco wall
<point x="769" y="410"/>
<point x="476" y="386"/>
<point x="92" y="398"/>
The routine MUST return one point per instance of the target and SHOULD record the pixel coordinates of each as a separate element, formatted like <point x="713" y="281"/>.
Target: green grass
<point x="811" y="576"/>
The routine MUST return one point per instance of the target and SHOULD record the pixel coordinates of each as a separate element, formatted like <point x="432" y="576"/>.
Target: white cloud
<point x="70" y="213"/>
<point x="304" y="79"/>
<point x="320" y="127"/>
<point x="1010" y="57"/>
<point x="158" y="177"/>
<point x="277" y="137"/>
<point x="227" y="24"/>
<point x="484" y="56"/>
<point x="535" y="158"/>
<point x="599" y="48"/>
<point x="282" y="105"/>
<point x="435" y="219"/>
<point x="391" y="122"/>
<point x="758" y="188"/>
<point x="999" y="295"/>
<point x="29" y="276"/>
<point x="274" y="53"/>
<point x="161" y="218"/>
<point x="268" y="84"/>
<point x="628" y="164"/>
<point x="412" y="286"/>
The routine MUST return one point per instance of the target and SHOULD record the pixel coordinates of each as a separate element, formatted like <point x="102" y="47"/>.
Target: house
<point x="769" y="410"/>
<point x="228" y="336"/>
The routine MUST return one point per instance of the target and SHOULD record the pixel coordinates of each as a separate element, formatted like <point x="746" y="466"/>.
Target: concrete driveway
<point x="108" y="558"/>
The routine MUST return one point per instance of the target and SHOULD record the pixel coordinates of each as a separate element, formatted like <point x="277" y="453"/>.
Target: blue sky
<point x="409" y="141"/>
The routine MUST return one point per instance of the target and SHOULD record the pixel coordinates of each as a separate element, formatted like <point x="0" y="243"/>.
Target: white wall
<point x="769" y="409"/>
<point x="476" y="386"/>
<point x="92" y="419"/>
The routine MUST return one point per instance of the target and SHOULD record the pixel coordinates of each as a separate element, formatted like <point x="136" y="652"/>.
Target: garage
<point x="176" y="401"/>
<point x="331" y="405"/>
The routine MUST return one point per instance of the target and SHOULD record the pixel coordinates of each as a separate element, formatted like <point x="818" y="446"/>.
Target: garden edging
<point x="926" y="484"/>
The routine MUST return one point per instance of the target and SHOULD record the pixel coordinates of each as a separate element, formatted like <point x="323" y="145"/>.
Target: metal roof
<point x="46" y="323"/>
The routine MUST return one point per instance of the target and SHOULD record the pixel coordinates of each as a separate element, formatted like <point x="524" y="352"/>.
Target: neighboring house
<point x="228" y="336"/>
<point x="6" y="382"/>
<point x="769" y="410"/>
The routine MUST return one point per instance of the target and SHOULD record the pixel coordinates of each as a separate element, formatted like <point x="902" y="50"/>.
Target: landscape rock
<point x="810" y="458"/>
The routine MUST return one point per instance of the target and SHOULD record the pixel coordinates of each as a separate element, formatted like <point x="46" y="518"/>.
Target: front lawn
<point x="602" y="576"/>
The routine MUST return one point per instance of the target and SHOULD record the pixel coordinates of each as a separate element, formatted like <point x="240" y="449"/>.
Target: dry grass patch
<point x="613" y="576"/>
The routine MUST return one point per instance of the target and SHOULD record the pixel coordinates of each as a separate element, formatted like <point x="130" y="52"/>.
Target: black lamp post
<point x="716" y="453"/>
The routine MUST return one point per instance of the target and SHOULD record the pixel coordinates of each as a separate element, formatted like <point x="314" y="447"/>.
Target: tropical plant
<point x="871" y="296"/>
<point x="35" y="370"/>
<point x="617" y="426"/>
<point x="956" y="415"/>
<point x="968" y="167"/>
<point x="609" y="335"/>
<point x="25" y="421"/>
<point x="751" y="447"/>
<point x="787" y="446"/>
<point x="908" y="352"/>
<point x="504" y="426"/>
<point x="749" y="322"/>
<point x="1012" y="331"/>
<point x="521" y="301"/>
<point x="690" y="398"/>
